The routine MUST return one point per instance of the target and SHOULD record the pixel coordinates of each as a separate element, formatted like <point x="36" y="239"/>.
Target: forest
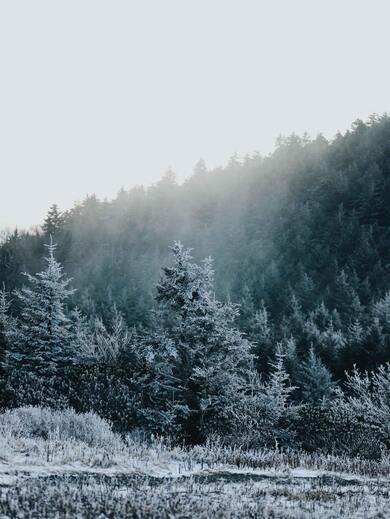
<point x="250" y="303"/>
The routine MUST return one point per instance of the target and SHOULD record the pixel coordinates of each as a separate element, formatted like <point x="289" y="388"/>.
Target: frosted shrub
<point x="357" y="423"/>
<point x="99" y="344"/>
<point x="262" y="417"/>
<point x="64" y="425"/>
<point x="337" y="430"/>
<point x="364" y="412"/>
<point x="369" y="396"/>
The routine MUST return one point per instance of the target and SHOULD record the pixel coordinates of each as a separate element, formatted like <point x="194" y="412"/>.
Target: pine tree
<point x="278" y="390"/>
<point x="367" y="402"/>
<point x="321" y="316"/>
<point x="261" y="334"/>
<point x="306" y="290"/>
<point x="381" y="311"/>
<point x="4" y="326"/>
<point x="80" y="333"/>
<point x="247" y="309"/>
<point x="203" y="359"/>
<point x="43" y="337"/>
<point x="291" y="361"/>
<point x="345" y="296"/>
<point x="296" y="319"/>
<point x="355" y="332"/>
<point x="262" y="418"/>
<point x="7" y="327"/>
<point x="200" y="168"/>
<point x="316" y="381"/>
<point x="53" y="222"/>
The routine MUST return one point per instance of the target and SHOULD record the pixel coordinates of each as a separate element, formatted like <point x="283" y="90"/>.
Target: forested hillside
<point x="299" y="238"/>
<point x="107" y="309"/>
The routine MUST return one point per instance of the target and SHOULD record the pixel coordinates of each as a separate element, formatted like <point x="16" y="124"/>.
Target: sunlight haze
<point x="96" y="95"/>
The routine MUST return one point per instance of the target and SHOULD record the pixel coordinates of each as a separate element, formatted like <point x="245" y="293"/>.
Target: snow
<point x="169" y="469"/>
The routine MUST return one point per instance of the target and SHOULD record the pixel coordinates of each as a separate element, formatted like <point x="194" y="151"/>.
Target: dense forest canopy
<point x="299" y="238"/>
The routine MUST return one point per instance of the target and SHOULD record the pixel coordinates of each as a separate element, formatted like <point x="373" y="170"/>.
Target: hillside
<point x="302" y="237"/>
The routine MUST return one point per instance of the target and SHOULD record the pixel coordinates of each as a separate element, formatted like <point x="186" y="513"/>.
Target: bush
<point x="106" y="391"/>
<point x="33" y="422"/>
<point x="337" y="430"/>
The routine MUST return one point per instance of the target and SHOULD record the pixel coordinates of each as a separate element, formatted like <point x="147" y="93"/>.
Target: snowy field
<point x="65" y="465"/>
<point x="207" y="494"/>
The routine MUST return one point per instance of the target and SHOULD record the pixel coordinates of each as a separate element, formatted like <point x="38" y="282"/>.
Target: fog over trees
<point x="283" y="337"/>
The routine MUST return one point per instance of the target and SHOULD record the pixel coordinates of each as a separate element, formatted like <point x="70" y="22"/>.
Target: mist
<point x="95" y="95"/>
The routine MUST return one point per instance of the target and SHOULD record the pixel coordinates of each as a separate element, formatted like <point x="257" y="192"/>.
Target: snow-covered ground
<point x="48" y="492"/>
<point x="76" y="467"/>
<point x="158" y="481"/>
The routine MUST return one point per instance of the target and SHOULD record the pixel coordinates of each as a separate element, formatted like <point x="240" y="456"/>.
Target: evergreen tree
<point x="316" y="381"/>
<point x="200" y="168"/>
<point x="321" y="316"/>
<point x="296" y="319"/>
<point x="261" y="334"/>
<point x="278" y="390"/>
<point x="7" y="324"/>
<point x="203" y="360"/>
<point x="291" y="360"/>
<point x="345" y="296"/>
<point x="263" y="417"/>
<point x="247" y="309"/>
<point x="381" y="311"/>
<point x="306" y="291"/>
<point x="4" y="326"/>
<point x="43" y="336"/>
<point x="53" y="222"/>
<point x="356" y="333"/>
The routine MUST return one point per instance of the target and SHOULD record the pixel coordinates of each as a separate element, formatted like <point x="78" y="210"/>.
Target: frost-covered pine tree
<point x="278" y="390"/>
<point x="364" y="411"/>
<point x="202" y="358"/>
<point x="7" y="327"/>
<point x="263" y="418"/>
<point x="42" y="341"/>
<point x="261" y="334"/>
<point x="381" y="310"/>
<point x="4" y="326"/>
<point x="355" y="332"/>
<point x="316" y="381"/>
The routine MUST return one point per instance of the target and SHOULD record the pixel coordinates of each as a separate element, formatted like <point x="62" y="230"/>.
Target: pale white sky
<point x="95" y="95"/>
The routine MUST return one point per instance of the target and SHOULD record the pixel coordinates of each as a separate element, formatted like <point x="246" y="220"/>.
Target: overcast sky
<point x="95" y="95"/>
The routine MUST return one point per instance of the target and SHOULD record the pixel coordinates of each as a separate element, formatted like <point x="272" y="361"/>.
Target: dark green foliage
<point x="53" y="222"/>
<point x="25" y="387"/>
<point x="107" y="391"/>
